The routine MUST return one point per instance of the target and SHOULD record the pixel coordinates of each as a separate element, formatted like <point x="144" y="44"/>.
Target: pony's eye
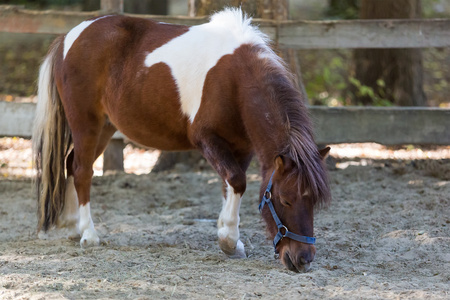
<point x="284" y="202"/>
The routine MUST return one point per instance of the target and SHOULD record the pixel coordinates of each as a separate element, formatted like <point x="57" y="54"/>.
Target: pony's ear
<point x="324" y="152"/>
<point x="283" y="164"/>
<point x="279" y="164"/>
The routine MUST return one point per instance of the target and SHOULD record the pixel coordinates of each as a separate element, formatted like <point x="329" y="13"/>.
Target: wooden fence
<point x="333" y="125"/>
<point x="286" y="34"/>
<point x="389" y="126"/>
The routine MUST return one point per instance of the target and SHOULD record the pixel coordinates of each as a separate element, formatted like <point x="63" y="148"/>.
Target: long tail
<point x="51" y="142"/>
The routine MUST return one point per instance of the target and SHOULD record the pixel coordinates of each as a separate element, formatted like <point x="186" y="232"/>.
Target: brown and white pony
<point x="217" y="87"/>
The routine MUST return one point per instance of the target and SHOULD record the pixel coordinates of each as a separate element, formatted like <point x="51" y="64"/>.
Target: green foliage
<point x="325" y="81"/>
<point x="329" y="87"/>
<point x="435" y="9"/>
<point x="20" y="57"/>
<point x="328" y="80"/>
<point x="343" y="9"/>
<point x="377" y="96"/>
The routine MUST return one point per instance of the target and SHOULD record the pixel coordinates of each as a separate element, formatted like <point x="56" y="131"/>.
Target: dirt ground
<point x="386" y="235"/>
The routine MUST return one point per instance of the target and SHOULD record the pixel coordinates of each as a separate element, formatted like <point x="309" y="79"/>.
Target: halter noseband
<point x="279" y="236"/>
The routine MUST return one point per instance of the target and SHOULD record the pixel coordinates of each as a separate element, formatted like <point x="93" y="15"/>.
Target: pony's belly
<point x="156" y="136"/>
<point x="162" y="143"/>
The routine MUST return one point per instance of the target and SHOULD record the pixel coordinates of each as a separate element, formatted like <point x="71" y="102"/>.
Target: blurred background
<point x="331" y="77"/>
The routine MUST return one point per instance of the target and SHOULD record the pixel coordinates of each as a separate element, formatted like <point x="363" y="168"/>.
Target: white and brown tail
<point x="51" y="142"/>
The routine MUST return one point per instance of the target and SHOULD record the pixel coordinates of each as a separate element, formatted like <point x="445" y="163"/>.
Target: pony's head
<point x="294" y="190"/>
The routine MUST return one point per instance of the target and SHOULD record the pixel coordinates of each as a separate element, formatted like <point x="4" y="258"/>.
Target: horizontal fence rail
<point x="387" y="126"/>
<point x="384" y="125"/>
<point x="286" y="34"/>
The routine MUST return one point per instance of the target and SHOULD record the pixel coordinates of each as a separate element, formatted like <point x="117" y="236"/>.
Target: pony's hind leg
<point x="70" y="215"/>
<point x="88" y="145"/>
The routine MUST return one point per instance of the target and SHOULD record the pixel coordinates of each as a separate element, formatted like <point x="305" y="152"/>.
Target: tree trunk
<point x="207" y="7"/>
<point x="400" y="69"/>
<point x="111" y="6"/>
<point x="91" y="5"/>
<point x="113" y="156"/>
<point x="153" y="7"/>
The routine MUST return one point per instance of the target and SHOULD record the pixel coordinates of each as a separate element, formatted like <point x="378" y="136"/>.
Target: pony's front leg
<point x="228" y="224"/>
<point x="231" y="167"/>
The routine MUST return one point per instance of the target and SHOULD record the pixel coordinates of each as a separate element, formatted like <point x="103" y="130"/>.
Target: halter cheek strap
<point x="282" y="230"/>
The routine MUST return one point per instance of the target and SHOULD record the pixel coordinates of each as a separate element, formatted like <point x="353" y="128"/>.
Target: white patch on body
<point x="86" y="228"/>
<point x="191" y="55"/>
<point x="228" y="224"/>
<point x="75" y="32"/>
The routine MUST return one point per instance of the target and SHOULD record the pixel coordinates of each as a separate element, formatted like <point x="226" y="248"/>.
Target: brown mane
<point x="299" y="142"/>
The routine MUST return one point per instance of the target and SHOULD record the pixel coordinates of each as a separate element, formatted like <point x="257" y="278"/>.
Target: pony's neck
<point x="275" y="116"/>
<point x="277" y="123"/>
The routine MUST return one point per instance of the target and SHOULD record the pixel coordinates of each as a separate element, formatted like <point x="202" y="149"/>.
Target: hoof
<point x="232" y="249"/>
<point x="89" y="239"/>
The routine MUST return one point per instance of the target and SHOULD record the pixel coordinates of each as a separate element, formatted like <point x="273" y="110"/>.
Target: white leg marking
<point x="75" y="32"/>
<point x="220" y="221"/>
<point x="228" y="224"/>
<point x="86" y="227"/>
<point x="70" y="215"/>
<point x="201" y="48"/>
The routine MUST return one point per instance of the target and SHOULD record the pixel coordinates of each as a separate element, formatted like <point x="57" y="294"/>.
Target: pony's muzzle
<point x="297" y="257"/>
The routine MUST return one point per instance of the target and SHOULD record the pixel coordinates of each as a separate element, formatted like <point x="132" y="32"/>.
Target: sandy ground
<point x="385" y="236"/>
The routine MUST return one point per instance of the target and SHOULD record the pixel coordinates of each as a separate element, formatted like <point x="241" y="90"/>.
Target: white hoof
<point x="240" y="250"/>
<point x="89" y="238"/>
<point x="231" y="248"/>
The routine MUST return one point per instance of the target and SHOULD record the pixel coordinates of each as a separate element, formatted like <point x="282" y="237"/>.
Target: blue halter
<point x="279" y="236"/>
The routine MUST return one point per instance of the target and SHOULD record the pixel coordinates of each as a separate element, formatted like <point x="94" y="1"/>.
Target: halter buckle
<point x="268" y="195"/>
<point x="285" y="230"/>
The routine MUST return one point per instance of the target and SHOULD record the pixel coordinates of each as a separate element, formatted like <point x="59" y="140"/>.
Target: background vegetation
<point x="327" y="74"/>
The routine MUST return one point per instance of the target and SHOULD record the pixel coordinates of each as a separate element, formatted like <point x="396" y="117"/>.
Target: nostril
<point x="306" y="259"/>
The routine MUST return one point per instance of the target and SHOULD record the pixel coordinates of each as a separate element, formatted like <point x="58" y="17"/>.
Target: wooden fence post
<point x="111" y="6"/>
<point x="113" y="156"/>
